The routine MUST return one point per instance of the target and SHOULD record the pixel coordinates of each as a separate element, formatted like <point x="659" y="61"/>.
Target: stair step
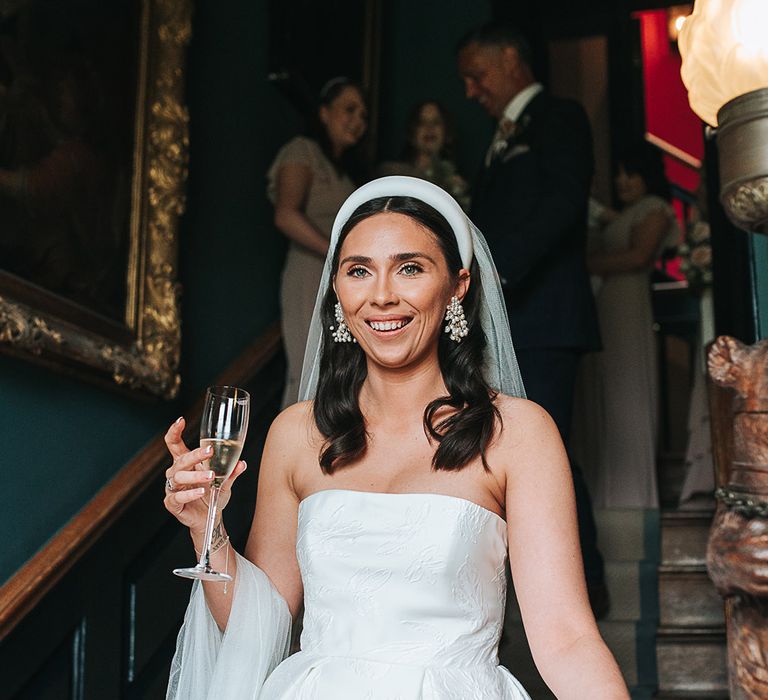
<point x="691" y="659"/>
<point x="642" y="692"/>
<point x="688" y="598"/>
<point x="684" y="535"/>
<point x="622" y="639"/>
<point x="623" y="582"/>
<point x="621" y="534"/>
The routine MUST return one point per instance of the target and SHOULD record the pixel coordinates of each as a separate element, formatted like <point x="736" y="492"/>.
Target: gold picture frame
<point x="140" y="352"/>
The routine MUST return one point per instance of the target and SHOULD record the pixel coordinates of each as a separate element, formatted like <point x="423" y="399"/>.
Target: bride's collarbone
<point x="400" y="461"/>
<point x="395" y="473"/>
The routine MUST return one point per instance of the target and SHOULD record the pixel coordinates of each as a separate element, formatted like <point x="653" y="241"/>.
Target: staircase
<point x="691" y="648"/>
<point x="629" y="541"/>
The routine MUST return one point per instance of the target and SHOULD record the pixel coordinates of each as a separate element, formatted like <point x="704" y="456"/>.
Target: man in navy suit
<point x="530" y="201"/>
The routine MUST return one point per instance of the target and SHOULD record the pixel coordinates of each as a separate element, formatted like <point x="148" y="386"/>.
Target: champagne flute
<point x="223" y="428"/>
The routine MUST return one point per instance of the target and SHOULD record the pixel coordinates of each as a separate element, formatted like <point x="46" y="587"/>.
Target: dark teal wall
<point x="62" y="439"/>
<point x="759" y="245"/>
<point x="231" y="256"/>
<point x="419" y="62"/>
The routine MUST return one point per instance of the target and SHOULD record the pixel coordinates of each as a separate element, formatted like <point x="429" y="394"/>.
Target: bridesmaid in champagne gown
<point x="308" y="181"/>
<point x="615" y="424"/>
<point x="390" y="500"/>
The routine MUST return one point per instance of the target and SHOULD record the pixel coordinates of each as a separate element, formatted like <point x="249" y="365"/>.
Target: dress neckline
<point x="407" y="493"/>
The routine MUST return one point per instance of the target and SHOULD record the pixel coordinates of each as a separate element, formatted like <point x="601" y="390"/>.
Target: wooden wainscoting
<point x="95" y="614"/>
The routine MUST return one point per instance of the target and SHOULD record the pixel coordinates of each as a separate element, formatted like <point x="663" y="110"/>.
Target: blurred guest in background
<point x="696" y="264"/>
<point x="530" y="200"/>
<point x="429" y="151"/>
<point x="308" y="181"/>
<point x="615" y="426"/>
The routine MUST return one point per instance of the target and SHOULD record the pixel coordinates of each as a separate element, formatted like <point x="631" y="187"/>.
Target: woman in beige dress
<point x="615" y="423"/>
<point x="308" y="182"/>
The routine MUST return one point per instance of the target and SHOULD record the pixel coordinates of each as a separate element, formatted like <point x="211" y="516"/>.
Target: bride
<point x="389" y="500"/>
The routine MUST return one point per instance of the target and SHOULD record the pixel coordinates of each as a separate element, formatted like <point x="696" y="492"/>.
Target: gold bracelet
<point x="219" y="545"/>
<point x="226" y="567"/>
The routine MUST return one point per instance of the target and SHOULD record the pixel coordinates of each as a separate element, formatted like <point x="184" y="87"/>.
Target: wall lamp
<point x="724" y="48"/>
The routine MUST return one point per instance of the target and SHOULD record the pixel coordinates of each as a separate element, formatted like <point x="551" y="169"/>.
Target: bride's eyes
<point x="357" y="272"/>
<point x="410" y="269"/>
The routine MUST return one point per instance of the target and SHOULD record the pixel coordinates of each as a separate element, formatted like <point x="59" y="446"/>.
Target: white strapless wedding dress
<point x="404" y="600"/>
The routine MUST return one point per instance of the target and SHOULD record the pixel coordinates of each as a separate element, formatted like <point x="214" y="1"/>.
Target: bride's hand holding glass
<point x="190" y="481"/>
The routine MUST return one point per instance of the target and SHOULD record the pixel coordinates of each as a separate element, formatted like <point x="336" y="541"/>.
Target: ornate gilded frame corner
<point x="143" y="354"/>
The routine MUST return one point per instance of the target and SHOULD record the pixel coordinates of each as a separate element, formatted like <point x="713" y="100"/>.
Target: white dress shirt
<point x="520" y="101"/>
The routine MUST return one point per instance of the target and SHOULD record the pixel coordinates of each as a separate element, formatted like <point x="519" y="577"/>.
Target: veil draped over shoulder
<point x="210" y="664"/>
<point x="501" y="369"/>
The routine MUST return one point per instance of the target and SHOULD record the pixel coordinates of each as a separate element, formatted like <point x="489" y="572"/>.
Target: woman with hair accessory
<point x="429" y="151"/>
<point x="615" y="423"/>
<point x="308" y="181"/>
<point x="391" y="497"/>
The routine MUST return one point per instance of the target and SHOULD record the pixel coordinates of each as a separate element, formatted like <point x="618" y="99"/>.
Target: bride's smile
<point x="388" y="325"/>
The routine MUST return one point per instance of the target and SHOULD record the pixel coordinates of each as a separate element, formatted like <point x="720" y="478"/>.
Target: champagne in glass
<point x="223" y="427"/>
<point x="225" y="455"/>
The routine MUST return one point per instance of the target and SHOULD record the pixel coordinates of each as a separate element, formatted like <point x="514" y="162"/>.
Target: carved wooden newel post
<point x="737" y="555"/>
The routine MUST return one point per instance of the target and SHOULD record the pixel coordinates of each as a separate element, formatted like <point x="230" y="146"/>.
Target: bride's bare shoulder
<point x="295" y="424"/>
<point x="296" y="412"/>
<point x="523" y="420"/>
<point x="515" y="406"/>
<point x="529" y="449"/>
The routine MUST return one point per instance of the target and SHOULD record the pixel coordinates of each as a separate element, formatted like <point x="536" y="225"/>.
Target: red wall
<point x="667" y="113"/>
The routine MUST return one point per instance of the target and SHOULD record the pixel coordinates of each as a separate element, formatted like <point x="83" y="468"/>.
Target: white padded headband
<point x="396" y="186"/>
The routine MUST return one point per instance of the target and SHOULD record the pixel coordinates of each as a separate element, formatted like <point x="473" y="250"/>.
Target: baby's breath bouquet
<point x="696" y="256"/>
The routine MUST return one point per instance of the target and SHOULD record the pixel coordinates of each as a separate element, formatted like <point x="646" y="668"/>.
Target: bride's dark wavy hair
<point x="470" y="426"/>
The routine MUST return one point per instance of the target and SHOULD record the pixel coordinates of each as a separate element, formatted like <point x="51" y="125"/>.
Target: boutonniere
<point x="508" y="141"/>
<point x="521" y="126"/>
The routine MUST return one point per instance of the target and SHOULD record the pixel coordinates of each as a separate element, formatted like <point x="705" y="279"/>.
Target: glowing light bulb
<point x="724" y="46"/>
<point x="750" y="25"/>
